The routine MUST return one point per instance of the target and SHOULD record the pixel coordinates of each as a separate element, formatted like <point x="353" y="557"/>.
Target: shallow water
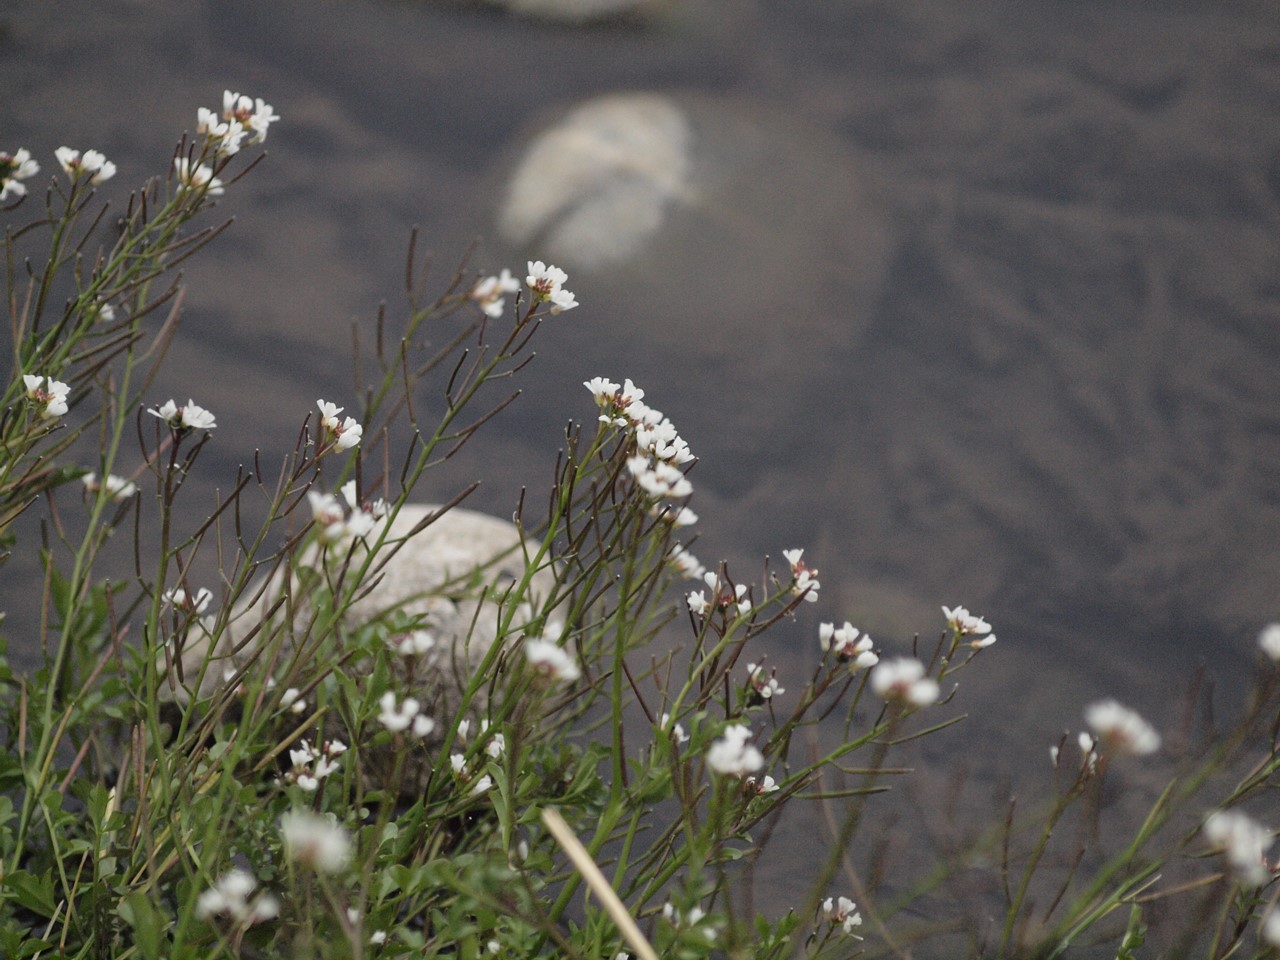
<point x="1048" y="388"/>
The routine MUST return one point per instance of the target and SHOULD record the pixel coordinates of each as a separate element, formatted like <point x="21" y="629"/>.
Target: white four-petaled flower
<point x="315" y="841"/>
<point x="849" y="644"/>
<point x="732" y="755"/>
<point x="91" y="162"/>
<point x="117" y="488"/>
<point x="13" y="168"/>
<point x="1120" y="729"/>
<point x="345" y="433"/>
<point x="547" y="284"/>
<point x="229" y="897"/>
<point x="550" y="660"/>
<point x="903" y="679"/>
<point x="48" y="393"/>
<point x="189" y="417"/>
<point x="490" y="293"/>
<point x="197" y="177"/>
<point x="1245" y="843"/>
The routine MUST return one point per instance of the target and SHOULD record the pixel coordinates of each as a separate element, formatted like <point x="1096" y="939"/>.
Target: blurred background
<point x="979" y="304"/>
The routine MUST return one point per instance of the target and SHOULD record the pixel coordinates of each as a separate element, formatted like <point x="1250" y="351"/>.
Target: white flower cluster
<point x="343" y="434"/>
<point x="687" y="563"/>
<point x="316" y="841"/>
<point x="398" y="717"/>
<point x="732" y="755"/>
<point x="241" y="117"/>
<point x="117" y="488"/>
<point x="337" y="523"/>
<point x="1120" y="729"/>
<point x="311" y="764"/>
<point x="189" y="417"/>
<point x="15" y="167"/>
<point x="476" y="785"/>
<point x="1245" y="843"/>
<point x="48" y="393"/>
<point x="724" y="595"/>
<point x="903" y="680"/>
<point x="673" y="730"/>
<point x="197" y="177"/>
<point x="91" y="163"/>
<point x="547" y="284"/>
<point x="763" y="686"/>
<point x="229" y="897"/>
<point x="549" y="660"/>
<point x="490" y="293"/>
<point x="689" y="920"/>
<point x="411" y="645"/>
<point x="196" y="603"/>
<point x="849" y="644"/>
<point x="841" y="912"/>
<point x="965" y="624"/>
<point x="804" y="580"/>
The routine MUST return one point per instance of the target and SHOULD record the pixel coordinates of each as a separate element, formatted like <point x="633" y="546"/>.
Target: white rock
<point x="449" y="573"/>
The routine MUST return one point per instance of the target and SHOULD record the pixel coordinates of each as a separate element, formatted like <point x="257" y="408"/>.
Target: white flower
<point x="1269" y="643"/>
<point x="1120" y="729"/>
<point x="1245" y="843"/>
<point x="732" y="756"/>
<point x="562" y="300"/>
<point x="1088" y="752"/>
<point x="605" y="391"/>
<point x="345" y="434"/>
<point x="416" y="643"/>
<point x="804" y="579"/>
<point x="254" y="114"/>
<point x="761" y="787"/>
<point x="546" y="283"/>
<point x="659" y="479"/>
<point x="315" y="841"/>
<point x="93" y="163"/>
<point x="965" y="623"/>
<point x="198" y="178"/>
<point x="311" y="764"/>
<point x="841" y="913"/>
<point x="229" y="896"/>
<point x="675" y="730"/>
<point x="764" y="686"/>
<point x="227" y="135"/>
<point x="15" y="167"/>
<point x="699" y="603"/>
<point x="489" y="293"/>
<point x="550" y="660"/>
<point x="293" y="701"/>
<point x="903" y="679"/>
<point x="189" y="417"/>
<point x="178" y="599"/>
<point x="50" y="393"/>
<point x="687" y="563"/>
<point x="335" y="525"/>
<point x="398" y="717"/>
<point x="118" y="488"/>
<point x="848" y="646"/>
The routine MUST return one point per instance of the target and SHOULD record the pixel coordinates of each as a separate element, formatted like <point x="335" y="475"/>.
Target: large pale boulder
<point x="450" y="572"/>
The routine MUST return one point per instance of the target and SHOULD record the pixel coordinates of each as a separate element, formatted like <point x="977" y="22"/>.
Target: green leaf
<point x="148" y="925"/>
<point x="31" y="891"/>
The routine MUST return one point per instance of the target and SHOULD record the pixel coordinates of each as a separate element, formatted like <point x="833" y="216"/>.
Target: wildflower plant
<point x="582" y="758"/>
